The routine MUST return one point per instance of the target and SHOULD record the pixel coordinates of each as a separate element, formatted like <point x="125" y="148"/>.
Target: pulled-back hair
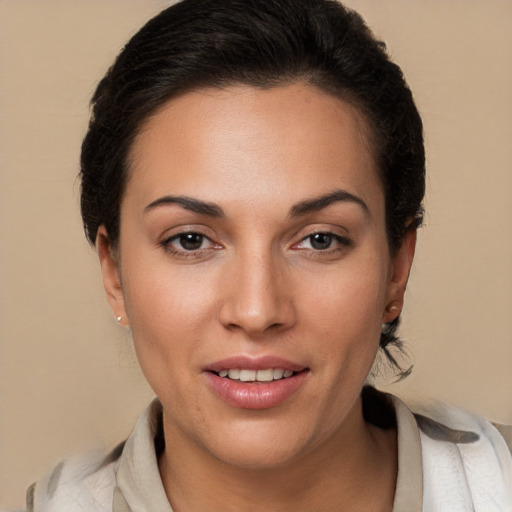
<point x="264" y="43"/>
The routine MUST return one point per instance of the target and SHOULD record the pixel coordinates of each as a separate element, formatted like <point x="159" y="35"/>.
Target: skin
<point x="260" y="285"/>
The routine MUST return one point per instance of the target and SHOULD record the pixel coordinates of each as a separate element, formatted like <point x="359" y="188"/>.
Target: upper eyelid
<point x="176" y="231"/>
<point x="176" y="236"/>
<point x="339" y="238"/>
<point x="186" y="232"/>
<point x="324" y="232"/>
<point x="310" y="230"/>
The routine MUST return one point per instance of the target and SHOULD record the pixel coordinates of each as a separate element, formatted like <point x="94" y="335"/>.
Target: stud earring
<point x="393" y="310"/>
<point x="119" y="319"/>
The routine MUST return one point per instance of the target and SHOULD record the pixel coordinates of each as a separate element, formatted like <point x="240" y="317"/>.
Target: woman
<point x="252" y="179"/>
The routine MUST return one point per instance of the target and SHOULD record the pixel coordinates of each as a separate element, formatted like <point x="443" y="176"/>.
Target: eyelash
<point x="167" y="244"/>
<point x="342" y="243"/>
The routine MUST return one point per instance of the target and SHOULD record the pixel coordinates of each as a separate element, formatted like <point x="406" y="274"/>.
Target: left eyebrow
<point x="319" y="203"/>
<point x="188" y="203"/>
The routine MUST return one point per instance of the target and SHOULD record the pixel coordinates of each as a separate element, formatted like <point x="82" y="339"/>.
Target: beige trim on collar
<point x="140" y="489"/>
<point x="137" y="477"/>
<point x="409" y="484"/>
<point x="119" y="503"/>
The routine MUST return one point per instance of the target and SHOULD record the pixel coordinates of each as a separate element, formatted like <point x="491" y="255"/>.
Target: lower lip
<point x="255" y="395"/>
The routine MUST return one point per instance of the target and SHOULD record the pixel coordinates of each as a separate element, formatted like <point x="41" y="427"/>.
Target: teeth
<point x="278" y="373"/>
<point x="267" y="375"/>
<point x="247" y="375"/>
<point x="234" y="374"/>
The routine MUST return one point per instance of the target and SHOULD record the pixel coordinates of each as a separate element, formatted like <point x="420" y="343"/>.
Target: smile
<point x="261" y="387"/>
<point x="266" y="375"/>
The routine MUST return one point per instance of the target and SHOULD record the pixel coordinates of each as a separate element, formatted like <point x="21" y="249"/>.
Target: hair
<point x="263" y="43"/>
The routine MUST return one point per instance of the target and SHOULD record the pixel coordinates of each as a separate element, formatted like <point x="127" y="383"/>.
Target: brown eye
<point x="187" y="242"/>
<point x="190" y="241"/>
<point x="191" y="245"/>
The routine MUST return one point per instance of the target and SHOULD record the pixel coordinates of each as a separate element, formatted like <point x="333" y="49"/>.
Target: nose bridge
<point x="258" y="293"/>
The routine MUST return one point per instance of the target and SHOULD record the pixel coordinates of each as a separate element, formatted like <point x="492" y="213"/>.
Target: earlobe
<point x="401" y="267"/>
<point x="110" y="271"/>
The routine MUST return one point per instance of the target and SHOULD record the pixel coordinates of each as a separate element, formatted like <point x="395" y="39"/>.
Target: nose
<point x="257" y="296"/>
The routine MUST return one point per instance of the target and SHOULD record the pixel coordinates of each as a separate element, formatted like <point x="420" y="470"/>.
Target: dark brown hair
<point x="263" y="43"/>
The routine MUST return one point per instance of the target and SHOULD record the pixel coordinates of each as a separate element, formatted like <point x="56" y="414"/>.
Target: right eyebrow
<point x="188" y="203"/>
<point x="321" y="202"/>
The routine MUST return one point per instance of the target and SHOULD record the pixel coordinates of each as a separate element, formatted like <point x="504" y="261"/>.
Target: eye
<point x="320" y="241"/>
<point x="191" y="241"/>
<point x="190" y="246"/>
<point x="323" y="242"/>
<point x="187" y="242"/>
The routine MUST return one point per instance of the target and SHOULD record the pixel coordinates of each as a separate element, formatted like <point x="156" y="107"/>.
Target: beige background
<point x="69" y="380"/>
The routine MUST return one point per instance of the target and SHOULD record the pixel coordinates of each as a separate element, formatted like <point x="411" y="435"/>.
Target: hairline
<point x="368" y="132"/>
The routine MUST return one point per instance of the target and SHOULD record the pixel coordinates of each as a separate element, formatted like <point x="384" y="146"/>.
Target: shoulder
<point x="441" y="422"/>
<point x="80" y="484"/>
<point x="464" y="458"/>
<point x="88" y="483"/>
<point x="506" y="433"/>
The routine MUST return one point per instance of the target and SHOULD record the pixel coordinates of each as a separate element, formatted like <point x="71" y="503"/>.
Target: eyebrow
<point x="193" y="205"/>
<point x="319" y="203"/>
<point x="304" y="207"/>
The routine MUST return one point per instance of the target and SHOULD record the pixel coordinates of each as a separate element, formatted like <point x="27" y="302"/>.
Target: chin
<point x="258" y="458"/>
<point x="257" y="447"/>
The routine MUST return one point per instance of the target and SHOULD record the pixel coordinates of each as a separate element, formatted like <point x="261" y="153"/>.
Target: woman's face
<point x="253" y="244"/>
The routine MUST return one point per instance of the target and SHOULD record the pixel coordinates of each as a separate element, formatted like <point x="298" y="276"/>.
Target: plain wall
<point x="69" y="380"/>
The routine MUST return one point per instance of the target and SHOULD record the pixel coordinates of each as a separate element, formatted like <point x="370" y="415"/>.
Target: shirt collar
<point x="140" y="488"/>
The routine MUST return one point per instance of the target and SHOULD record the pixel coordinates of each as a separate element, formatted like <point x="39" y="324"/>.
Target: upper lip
<point x="254" y="363"/>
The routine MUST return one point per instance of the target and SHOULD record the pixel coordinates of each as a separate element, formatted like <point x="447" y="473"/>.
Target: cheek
<point x="345" y="315"/>
<point x="350" y="300"/>
<point x="168" y="311"/>
<point x="159" y="295"/>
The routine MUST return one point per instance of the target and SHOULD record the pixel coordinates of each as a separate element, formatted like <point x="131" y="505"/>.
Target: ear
<point x="400" y="269"/>
<point x="109" y="263"/>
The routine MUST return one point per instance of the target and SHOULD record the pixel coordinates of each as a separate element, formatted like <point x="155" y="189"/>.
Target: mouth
<point x="256" y="383"/>
<point x="246" y="375"/>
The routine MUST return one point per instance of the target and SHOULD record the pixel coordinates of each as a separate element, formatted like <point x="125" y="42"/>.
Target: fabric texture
<point x="448" y="461"/>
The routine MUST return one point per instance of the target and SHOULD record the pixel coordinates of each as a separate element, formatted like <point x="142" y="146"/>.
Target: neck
<point x="355" y="468"/>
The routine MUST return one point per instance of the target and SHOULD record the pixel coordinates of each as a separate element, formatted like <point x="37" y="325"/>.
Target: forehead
<point x="253" y="142"/>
